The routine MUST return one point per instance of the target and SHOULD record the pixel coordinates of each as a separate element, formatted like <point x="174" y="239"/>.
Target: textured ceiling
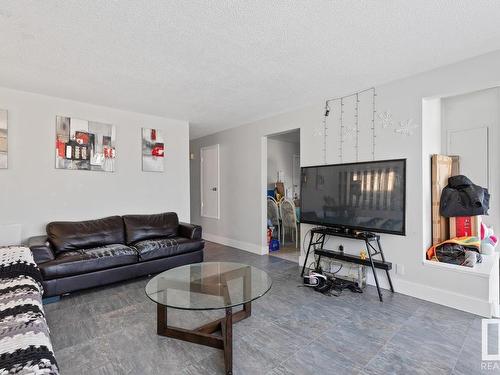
<point x="223" y="63"/>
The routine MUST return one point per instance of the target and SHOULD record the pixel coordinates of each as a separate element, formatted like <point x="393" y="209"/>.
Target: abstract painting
<point x="153" y="150"/>
<point x="85" y="145"/>
<point x="3" y="139"/>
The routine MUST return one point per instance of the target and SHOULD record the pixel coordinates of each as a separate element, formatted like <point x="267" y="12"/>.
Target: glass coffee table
<point x="208" y="286"/>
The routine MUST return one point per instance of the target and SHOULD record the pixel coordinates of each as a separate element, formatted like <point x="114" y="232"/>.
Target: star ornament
<point x="406" y="127"/>
<point x="385" y="119"/>
<point x="349" y="132"/>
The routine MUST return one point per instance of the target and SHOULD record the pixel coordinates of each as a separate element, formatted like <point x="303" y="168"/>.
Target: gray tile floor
<point x="290" y="253"/>
<point x="292" y="330"/>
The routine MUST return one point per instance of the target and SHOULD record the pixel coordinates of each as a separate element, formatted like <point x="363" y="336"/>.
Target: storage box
<point x="465" y="226"/>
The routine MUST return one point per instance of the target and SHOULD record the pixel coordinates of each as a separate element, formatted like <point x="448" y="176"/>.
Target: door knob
<point x="214" y="189"/>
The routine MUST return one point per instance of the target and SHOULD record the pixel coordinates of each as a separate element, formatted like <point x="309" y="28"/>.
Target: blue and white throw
<point x="25" y="346"/>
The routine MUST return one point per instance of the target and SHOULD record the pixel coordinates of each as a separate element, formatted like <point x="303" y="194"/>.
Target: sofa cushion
<point x="145" y="227"/>
<point x="75" y="235"/>
<point x="165" y="247"/>
<point x="191" y="231"/>
<point x="41" y="249"/>
<point x="78" y="262"/>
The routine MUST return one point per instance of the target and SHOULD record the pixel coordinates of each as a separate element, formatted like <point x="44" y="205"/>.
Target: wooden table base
<point x="207" y="333"/>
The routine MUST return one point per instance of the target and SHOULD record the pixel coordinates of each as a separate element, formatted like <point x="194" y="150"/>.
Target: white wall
<point x="242" y="218"/>
<point x="280" y="158"/>
<point x="33" y="192"/>
<point x="474" y="110"/>
<point x="431" y="144"/>
<point x="243" y="178"/>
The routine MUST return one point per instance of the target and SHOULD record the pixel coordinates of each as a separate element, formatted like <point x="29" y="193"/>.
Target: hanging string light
<point x="325" y="129"/>
<point x="342" y="127"/>
<point x="341" y="137"/>
<point x="356" y="119"/>
<point x="374" y="111"/>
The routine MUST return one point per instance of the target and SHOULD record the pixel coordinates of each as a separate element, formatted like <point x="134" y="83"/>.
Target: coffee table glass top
<point x="208" y="286"/>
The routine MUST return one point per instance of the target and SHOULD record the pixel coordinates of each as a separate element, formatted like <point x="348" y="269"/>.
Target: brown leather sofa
<point x="85" y="254"/>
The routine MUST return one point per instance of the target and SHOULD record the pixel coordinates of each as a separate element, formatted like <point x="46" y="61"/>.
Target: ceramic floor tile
<point x="393" y="359"/>
<point x="292" y="330"/>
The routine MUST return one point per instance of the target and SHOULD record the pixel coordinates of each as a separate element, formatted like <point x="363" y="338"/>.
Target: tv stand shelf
<point x="317" y="242"/>
<point x="353" y="259"/>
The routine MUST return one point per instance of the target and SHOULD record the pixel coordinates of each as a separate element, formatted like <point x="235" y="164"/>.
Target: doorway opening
<point x="283" y="195"/>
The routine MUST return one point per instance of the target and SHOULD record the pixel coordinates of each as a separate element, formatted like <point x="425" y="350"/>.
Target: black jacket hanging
<point x="462" y="198"/>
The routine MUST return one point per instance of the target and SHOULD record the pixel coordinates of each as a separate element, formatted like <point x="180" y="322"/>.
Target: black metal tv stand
<point x="318" y="236"/>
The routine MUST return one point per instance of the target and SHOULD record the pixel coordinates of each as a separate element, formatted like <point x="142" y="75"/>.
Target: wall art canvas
<point x="3" y="139"/>
<point x="85" y="145"/>
<point x="153" y="150"/>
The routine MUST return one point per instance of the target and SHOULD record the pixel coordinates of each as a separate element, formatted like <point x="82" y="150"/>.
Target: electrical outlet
<point x="400" y="269"/>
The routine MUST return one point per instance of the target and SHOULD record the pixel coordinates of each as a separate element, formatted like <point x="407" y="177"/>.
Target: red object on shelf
<point x="465" y="226"/>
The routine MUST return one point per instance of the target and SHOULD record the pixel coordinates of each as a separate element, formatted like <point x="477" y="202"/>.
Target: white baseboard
<point x="247" y="246"/>
<point x="428" y="293"/>
<point x="445" y="297"/>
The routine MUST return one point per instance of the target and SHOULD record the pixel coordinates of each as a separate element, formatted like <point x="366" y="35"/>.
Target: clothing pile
<point x="463" y="251"/>
<point x="462" y="198"/>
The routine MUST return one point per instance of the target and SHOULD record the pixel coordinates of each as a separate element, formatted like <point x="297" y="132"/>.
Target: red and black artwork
<point x="85" y="145"/>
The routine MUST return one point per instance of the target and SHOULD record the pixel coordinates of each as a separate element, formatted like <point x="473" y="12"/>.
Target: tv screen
<point x="367" y="196"/>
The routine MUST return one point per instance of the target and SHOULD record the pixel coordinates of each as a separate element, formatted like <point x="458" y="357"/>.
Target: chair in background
<point x="289" y="220"/>
<point x="273" y="214"/>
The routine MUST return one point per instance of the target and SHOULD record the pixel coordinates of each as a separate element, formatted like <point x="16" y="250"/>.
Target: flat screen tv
<point x="368" y="196"/>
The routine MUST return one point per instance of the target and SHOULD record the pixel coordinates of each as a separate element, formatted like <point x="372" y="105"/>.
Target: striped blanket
<point x="25" y="346"/>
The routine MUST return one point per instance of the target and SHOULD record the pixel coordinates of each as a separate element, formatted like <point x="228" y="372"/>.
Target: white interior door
<point x="210" y="194"/>
<point x="472" y="147"/>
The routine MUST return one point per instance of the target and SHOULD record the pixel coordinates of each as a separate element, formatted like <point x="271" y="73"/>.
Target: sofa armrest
<point x="191" y="231"/>
<point x="41" y="249"/>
